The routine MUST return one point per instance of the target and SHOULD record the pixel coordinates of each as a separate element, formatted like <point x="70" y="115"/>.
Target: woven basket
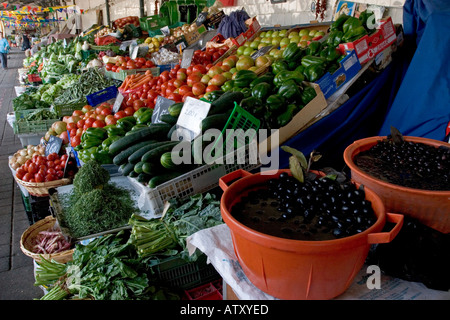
<point x="264" y="68"/>
<point x="40" y="189"/>
<point x="27" y="242"/>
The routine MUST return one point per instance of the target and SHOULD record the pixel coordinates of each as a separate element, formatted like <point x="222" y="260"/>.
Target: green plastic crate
<point x="153" y="22"/>
<point x="33" y="126"/>
<point x="239" y="119"/>
<point x="177" y="273"/>
<point x="68" y="109"/>
<point x="122" y="74"/>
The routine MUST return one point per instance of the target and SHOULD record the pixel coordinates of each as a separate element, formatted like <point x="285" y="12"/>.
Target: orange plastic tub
<point x="294" y="269"/>
<point x="431" y="208"/>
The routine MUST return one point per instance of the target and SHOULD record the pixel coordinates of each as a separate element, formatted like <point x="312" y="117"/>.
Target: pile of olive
<point x="409" y="164"/>
<point x="319" y="209"/>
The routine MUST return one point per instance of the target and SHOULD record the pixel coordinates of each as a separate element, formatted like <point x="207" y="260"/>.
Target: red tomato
<point x="198" y="88"/>
<point x="98" y="124"/>
<point x="137" y="104"/>
<point x="120" y="114"/>
<point x="72" y="125"/>
<point x="43" y="167"/>
<point x="50" y="177"/>
<point x="73" y="132"/>
<point x="165" y="76"/>
<point x="60" y="174"/>
<point x="27" y="176"/>
<point x="175" y="97"/>
<point x="189" y="94"/>
<point x="52" y="156"/>
<point x="149" y="64"/>
<point x="212" y="87"/>
<point x="106" y="111"/>
<point x="114" y="68"/>
<point x="75" y="141"/>
<point x="39" y="177"/>
<point x="20" y="173"/>
<point x="129" y="110"/>
<point x="109" y="66"/>
<point x="78" y="113"/>
<point x="33" y="168"/>
<point x="149" y="103"/>
<point x="81" y="123"/>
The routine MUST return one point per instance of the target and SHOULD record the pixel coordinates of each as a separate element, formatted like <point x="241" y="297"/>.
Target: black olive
<point x="337" y="232"/>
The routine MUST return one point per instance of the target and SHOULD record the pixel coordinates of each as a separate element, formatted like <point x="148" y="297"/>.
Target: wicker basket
<point x="27" y="242"/>
<point x="40" y="189"/>
<point x="264" y="68"/>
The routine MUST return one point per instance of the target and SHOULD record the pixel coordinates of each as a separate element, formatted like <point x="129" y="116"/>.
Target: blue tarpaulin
<point x="422" y="105"/>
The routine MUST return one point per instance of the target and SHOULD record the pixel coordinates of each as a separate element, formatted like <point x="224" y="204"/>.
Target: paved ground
<point x="16" y="269"/>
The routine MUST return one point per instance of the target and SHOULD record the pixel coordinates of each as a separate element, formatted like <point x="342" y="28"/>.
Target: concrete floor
<point x="16" y="269"/>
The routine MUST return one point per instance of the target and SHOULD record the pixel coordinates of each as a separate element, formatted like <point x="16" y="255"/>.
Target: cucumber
<point x="138" y="167"/>
<point x="225" y="102"/>
<point x="133" y="174"/>
<point x="159" y="179"/>
<point x="137" y="155"/>
<point x="127" y="169"/>
<point x="123" y="155"/>
<point x="143" y="177"/>
<point x="175" y="109"/>
<point x="167" y="118"/>
<point x="166" y="160"/>
<point x="155" y="154"/>
<point x="151" y="168"/>
<point x="154" y="131"/>
<point x="216" y="121"/>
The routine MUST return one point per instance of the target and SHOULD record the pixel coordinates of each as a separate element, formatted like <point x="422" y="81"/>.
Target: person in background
<point x="25" y="42"/>
<point x="17" y="38"/>
<point x="4" y="49"/>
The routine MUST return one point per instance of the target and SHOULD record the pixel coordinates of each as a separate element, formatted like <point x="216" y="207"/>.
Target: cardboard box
<point x="369" y="46"/>
<point x="194" y="36"/>
<point x="330" y="83"/>
<point x="253" y="28"/>
<point x="298" y="123"/>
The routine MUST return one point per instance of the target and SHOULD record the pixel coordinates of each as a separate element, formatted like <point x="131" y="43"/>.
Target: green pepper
<point x="275" y="102"/>
<point x="290" y="90"/>
<point x="107" y="142"/>
<point x="284" y="118"/>
<point x="261" y="90"/>
<point x="267" y="77"/>
<point x="131" y="119"/>
<point x="283" y="76"/>
<point x="227" y="86"/>
<point x="252" y="105"/>
<point x="315" y="72"/>
<point x="139" y="126"/>
<point x="247" y="92"/>
<point x="308" y="94"/>
<point x="312" y="60"/>
<point x="313" y="48"/>
<point x="145" y="116"/>
<point x="214" y="95"/>
<point x="337" y="38"/>
<point x="350" y="24"/>
<point x="91" y="142"/>
<point x="354" y="34"/>
<point x="102" y="157"/>
<point x="339" y="22"/>
<point x="243" y="78"/>
<point x="333" y="67"/>
<point x="113" y="130"/>
<point x="300" y="69"/>
<point x="330" y="53"/>
<point x="125" y="125"/>
<point x="292" y="52"/>
<point x="99" y="133"/>
<point x="279" y="65"/>
<point x="366" y="17"/>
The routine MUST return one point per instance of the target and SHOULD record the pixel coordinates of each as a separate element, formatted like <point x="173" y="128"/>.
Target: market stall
<point x="144" y="139"/>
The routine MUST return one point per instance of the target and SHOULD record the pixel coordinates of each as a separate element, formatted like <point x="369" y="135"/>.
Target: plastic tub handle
<point x="223" y="181"/>
<point x="386" y="237"/>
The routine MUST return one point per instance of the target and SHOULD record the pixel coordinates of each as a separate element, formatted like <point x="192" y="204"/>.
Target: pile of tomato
<point x="42" y="168"/>
<point x="208" y="55"/>
<point x="126" y="63"/>
<point x="97" y="117"/>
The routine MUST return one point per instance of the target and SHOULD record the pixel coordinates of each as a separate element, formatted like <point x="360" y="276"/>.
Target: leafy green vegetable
<point x="90" y="176"/>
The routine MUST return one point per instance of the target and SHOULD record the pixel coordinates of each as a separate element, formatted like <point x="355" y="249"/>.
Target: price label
<point x="53" y="145"/>
<point x="117" y="103"/>
<point x="187" y="58"/>
<point x="165" y="31"/>
<point x="161" y="107"/>
<point x="139" y="51"/>
<point x="191" y="116"/>
<point x="261" y="52"/>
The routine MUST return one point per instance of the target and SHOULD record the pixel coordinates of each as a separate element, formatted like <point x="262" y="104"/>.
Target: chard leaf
<point x="296" y="168"/>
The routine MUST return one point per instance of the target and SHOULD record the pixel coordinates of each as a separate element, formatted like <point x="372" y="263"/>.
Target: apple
<point x="284" y="41"/>
<point x="295" y="39"/>
<point x="262" y="34"/>
<point x="319" y="33"/>
<point x="273" y="51"/>
<point x="276" y="41"/>
<point x="269" y="33"/>
<point x="305" y="38"/>
<point x="205" y="79"/>
<point x="214" y="70"/>
<point x="240" y="50"/>
<point x="254" y="44"/>
<point x="312" y="32"/>
<point x="283" y="33"/>
<point x="303" y="32"/>
<point x="217" y="80"/>
<point x="248" y="51"/>
<point x="244" y="63"/>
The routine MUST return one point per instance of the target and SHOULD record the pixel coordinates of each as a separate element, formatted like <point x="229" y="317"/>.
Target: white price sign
<point x="191" y="116"/>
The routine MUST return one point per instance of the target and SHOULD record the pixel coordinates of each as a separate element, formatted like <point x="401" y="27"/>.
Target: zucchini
<point x="216" y="121"/>
<point x="136" y="156"/>
<point x="154" y="131"/>
<point x="167" y="118"/>
<point x="155" y="154"/>
<point x="122" y="156"/>
<point x="159" y="179"/>
<point x="127" y="169"/>
<point x="138" y="167"/>
<point x="151" y="168"/>
<point x="225" y="102"/>
<point x="175" y="109"/>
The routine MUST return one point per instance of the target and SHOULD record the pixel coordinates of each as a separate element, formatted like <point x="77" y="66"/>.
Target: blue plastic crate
<point x="102" y="96"/>
<point x="166" y="67"/>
